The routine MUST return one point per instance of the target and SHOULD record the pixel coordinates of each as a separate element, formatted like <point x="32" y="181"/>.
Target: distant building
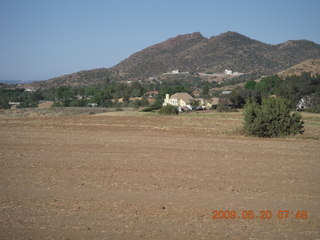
<point x="184" y="101"/>
<point x="229" y="72"/>
<point x="29" y="90"/>
<point x="304" y="103"/>
<point x="226" y="92"/>
<point x="92" y="104"/>
<point x="176" y="71"/>
<point x="14" y="104"/>
<point x="179" y="100"/>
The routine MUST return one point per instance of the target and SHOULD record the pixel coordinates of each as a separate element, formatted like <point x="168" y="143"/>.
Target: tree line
<point x="109" y="92"/>
<point x="292" y="88"/>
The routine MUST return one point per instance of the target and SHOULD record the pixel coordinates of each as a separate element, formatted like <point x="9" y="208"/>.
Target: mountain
<point x="77" y="79"/>
<point x="231" y="50"/>
<point x="195" y="53"/>
<point x="312" y="66"/>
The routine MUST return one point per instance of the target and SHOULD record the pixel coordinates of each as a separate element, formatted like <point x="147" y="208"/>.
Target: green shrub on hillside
<point x="271" y="119"/>
<point x="168" y="110"/>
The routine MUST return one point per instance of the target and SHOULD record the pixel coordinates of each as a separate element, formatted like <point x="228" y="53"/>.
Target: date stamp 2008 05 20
<point x="261" y="214"/>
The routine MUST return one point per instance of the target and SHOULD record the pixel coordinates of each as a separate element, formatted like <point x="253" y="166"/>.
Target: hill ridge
<point x="193" y="52"/>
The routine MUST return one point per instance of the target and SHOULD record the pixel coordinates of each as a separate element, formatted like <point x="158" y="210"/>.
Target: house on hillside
<point x="180" y="100"/>
<point x="186" y="102"/>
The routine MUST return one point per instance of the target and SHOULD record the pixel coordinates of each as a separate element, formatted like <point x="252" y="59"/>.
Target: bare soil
<point x="126" y="175"/>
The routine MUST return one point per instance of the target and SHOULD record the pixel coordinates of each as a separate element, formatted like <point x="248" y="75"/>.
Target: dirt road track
<point x="149" y="177"/>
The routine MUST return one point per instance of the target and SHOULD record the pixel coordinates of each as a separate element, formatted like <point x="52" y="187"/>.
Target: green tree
<point x="64" y="93"/>
<point x="205" y="90"/>
<point x="4" y="102"/>
<point x="169" y="109"/>
<point x="250" y="85"/>
<point x="269" y="85"/>
<point x="195" y="104"/>
<point x="271" y="119"/>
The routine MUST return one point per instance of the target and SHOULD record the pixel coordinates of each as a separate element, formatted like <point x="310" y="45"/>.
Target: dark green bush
<point x="223" y="108"/>
<point x="168" y="110"/>
<point x="271" y="119"/>
<point x="57" y="104"/>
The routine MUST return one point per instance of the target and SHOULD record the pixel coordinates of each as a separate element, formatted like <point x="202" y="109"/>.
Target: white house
<point x="184" y="101"/>
<point x="179" y="100"/>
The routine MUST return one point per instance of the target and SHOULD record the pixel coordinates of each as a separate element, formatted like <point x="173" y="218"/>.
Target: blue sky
<point x="41" y="39"/>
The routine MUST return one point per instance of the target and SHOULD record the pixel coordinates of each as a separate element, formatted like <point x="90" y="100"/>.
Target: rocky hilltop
<point x="195" y="53"/>
<point x="231" y="50"/>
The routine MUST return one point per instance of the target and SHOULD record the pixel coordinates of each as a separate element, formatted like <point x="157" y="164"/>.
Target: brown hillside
<point x="195" y="53"/>
<point x="77" y="79"/>
<point x="229" y="50"/>
<point x="312" y="66"/>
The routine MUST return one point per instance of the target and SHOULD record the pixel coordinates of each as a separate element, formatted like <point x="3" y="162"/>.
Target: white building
<point x="179" y="100"/>
<point x="229" y="72"/>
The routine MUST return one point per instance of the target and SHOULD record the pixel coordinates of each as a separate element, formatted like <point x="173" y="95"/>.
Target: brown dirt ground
<point x="135" y="176"/>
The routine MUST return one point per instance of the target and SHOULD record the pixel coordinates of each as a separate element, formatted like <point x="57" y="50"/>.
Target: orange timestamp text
<point x="261" y="214"/>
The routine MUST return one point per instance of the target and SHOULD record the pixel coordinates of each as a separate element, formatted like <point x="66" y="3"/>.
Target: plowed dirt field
<point x="135" y="176"/>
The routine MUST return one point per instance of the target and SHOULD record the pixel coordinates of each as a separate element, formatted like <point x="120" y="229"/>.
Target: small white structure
<point x="304" y="103"/>
<point x="29" y="90"/>
<point x="92" y="105"/>
<point x="176" y="71"/>
<point x="14" y="103"/>
<point x="229" y="72"/>
<point x="226" y="92"/>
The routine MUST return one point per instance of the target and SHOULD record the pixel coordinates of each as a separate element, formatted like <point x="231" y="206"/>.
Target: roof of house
<point x="151" y="92"/>
<point x="184" y="96"/>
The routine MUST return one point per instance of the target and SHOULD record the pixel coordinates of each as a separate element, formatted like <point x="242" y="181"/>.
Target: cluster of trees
<point x="27" y="99"/>
<point x="292" y="88"/>
<point x="108" y="92"/>
<point x="104" y="96"/>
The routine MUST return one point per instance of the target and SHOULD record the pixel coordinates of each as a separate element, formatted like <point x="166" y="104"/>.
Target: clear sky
<point x="41" y="39"/>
